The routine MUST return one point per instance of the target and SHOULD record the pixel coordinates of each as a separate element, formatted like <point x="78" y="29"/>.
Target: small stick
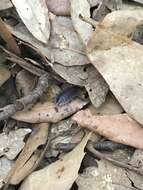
<point x="115" y="162"/>
<point x="31" y="98"/>
<point x="89" y="21"/>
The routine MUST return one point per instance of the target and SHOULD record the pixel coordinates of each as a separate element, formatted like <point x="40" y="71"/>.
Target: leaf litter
<point x="67" y="67"/>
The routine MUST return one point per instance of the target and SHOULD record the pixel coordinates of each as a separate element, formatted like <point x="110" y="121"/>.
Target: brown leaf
<point x="8" y="38"/>
<point x="4" y="75"/>
<point x="48" y="112"/>
<point x="119" y="128"/>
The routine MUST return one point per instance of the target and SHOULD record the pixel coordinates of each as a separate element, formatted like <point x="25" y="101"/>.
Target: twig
<point x="21" y="103"/>
<point x="115" y="162"/>
<point x="23" y="63"/>
<point x="89" y="21"/>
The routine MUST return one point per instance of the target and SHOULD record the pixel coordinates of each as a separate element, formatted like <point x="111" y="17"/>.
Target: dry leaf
<point x="86" y="76"/>
<point x="48" y="112"/>
<point x="109" y="107"/>
<point x="81" y="8"/>
<point x="96" y="87"/>
<point x="34" y="14"/>
<point x="119" y="128"/>
<point x="59" y="7"/>
<point x="136" y="161"/>
<point x="8" y="38"/>
<point x="75" y="75"/>
<point x="60" y="174"/>
<point x="25" y="82"/>
<point x="66" y="46"/>
<point x="104" y="177"/>
<point x="4" y="75"/>
<point x="27" y="158"/>
<point x="11" y="144"/>
<point x="5" y="4"/>
<point x="21" y="32"/>
<point x="5" y="166"/>
<point x="115" y="50"/>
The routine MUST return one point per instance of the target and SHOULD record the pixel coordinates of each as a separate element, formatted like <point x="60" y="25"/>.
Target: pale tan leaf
<point x="110" y="107"/>
<point x="34" y="14"/>
<point x="119" y="128"/>
<point x="119" y="59"/>
<point x="5" y="4"/>
<point x="81" y="8"/>
<point x="59" y="175"/>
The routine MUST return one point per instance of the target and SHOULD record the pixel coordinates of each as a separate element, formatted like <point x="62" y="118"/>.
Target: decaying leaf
<point x="76" y="75"/>
<point x="59" y="7"/>
<point x="11" y="144"/>
<point x="96" y="87"/>
<point x="27" y="158"/>
<point x="59" y="175"/>
<point x="119" y="60"/>
<point x="104" y="177"/>
<point x="136" y="161"/>
<point x="48" y="112"/>
<point x="5" y="166"/>
<point x="4" y="75"/>
<point x="119" y="128"/>
<point x="66" y="46"/>
<point x="81" y="8"/>
<point x="34" y="14"/>
<point x="25" y="82"/>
